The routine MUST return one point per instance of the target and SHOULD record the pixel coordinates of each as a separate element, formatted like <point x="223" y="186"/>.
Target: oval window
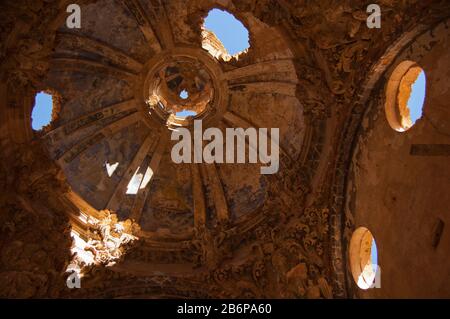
<point x="363" y="258"/>
<point x="405" y="96"/>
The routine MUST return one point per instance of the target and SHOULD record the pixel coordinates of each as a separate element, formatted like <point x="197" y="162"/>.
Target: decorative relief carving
<point x="283" y="249"/>
<point x="35" y="229"/>
<point x="108" y="241"/>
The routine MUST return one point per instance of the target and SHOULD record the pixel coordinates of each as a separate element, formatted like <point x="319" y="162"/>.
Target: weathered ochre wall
<point x="399" y="196"/>
<point x="279" y="236"/>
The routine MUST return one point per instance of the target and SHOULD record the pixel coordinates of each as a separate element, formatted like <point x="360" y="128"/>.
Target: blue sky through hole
<point x="374" y="253"/>
<point x="230" y="31"/>
<point x="184" y="94"/>
<point x="417" y="97"/>
<point x="42" y="111"/>
<point x="185" y="113"/>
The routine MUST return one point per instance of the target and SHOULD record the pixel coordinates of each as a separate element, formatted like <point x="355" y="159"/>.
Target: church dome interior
<point x="355" y="116"/>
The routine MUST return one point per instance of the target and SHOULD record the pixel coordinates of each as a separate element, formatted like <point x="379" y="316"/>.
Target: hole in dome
<point x="141" y="177"/>
<point x="185" y="113"/>
<point x="135" y="182"/>
<point x="110" y="168"/>
<point x="405" y="96"/>
<point x="41" y="114"/>
<point x="184" y="94"/>
<point x="223" y="35"/>
<point x="364" y="258"/>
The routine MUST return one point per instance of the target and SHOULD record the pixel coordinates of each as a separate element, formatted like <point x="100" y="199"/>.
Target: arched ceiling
<point x="104" y="73"/>
<point x="205" y="230"/>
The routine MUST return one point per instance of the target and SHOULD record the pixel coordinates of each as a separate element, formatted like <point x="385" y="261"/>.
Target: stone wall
<point x="313" y="69"/>
<point x="401" y="195"/>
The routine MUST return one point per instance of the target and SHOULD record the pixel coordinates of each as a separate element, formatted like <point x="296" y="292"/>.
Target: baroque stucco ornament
<point x="218" y="230"/>
<point x="108" y="239"/>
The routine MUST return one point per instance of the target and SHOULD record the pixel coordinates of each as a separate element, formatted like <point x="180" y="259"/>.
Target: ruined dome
<point x="120" y="79"/>
<point x="121" y="113"/>
<point x="97" y="191"/>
